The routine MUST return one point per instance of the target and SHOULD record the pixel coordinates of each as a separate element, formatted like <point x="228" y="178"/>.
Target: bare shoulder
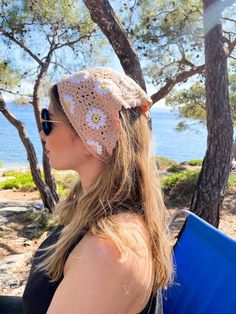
<point x="94" y="269"/>
<point x="95" y="250"/>
<point x="104" y="252"/>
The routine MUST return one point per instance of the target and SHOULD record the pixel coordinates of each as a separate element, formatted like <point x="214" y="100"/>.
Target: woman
<point x="111" y="252"/>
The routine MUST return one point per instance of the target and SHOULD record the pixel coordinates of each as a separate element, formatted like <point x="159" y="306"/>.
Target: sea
<point x="167" y="142"/>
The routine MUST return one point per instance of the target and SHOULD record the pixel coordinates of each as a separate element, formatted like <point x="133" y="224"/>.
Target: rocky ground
<point x="18" y="243"/>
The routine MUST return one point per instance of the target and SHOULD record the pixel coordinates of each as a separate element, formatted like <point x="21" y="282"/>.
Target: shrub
<point x="180" y="187"/>
<point x="164" y="163"/>
<point x="168" y="183"/>
<point x="194" y="162"/>
<point x="176" y="168"/>
<point x="1" y="164"/>
<point x="64" y="181"/>
<point x="12" y="173"/>
<point x="21" y="182"/>
<point x="232" y="181"/>
<point x="62" y="191"/>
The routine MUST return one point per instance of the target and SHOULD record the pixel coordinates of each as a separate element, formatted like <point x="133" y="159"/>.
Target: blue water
<point x="181" y="146"/>
<point x="12" y="151"/>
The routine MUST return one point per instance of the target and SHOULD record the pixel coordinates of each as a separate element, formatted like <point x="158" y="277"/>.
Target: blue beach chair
<point x="205" y="279"/>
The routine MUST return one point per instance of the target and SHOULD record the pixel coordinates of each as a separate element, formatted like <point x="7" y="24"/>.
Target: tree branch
<point x="228" y="19"/>
<point x="132" y="11"/>
<point x="14" y="93"/>
<point x="173" y="81"/>
<point x="71" y="43"/>
<point x="187" y="62"/>
<point x="104" y="16"/>
<point x="60" y="65"/>
<point x="44" y="191"/>
<point x="20" y="43"/>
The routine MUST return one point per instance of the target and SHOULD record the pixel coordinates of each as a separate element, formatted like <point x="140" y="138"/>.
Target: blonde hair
<point x="128" y="183"/>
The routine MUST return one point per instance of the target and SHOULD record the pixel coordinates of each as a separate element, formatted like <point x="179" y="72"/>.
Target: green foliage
<point x="21" y="182"/>
<point x="9" y="77"/>
<point x="12" y="173"/>
<point x="1" y="164"/>
<point x="176" y="168"/>
<point x="61" y="190"/>
<point x="62" y="25"/>
<point x="163" y="162"/>
<point x="65" y="179"/>
<point x="194" y="162"/>
<point x="180" y="187"/>
<point x="174" y="181"/>
<point x="168" y="183"/>
<point x="44" y="10"/>
<point x="169" y="38"/>
<point x="190" y="102"/>
<point x="167" y="34"/>
<point x="232" y="181"/>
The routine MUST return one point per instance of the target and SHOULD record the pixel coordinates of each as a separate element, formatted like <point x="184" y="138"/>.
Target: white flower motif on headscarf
<point x="69" y="103"/>
<point x="96" y="118"/>
<point x="103" y="87"/>
<point x="96" y="145"/>
<point x="79" y="77"/>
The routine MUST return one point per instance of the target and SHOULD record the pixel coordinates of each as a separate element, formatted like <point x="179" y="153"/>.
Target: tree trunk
<point x="104" y="16"/>
<point x="49" y="179"/>
<point x="210" y="189"/>
<point x="44" y="191"/>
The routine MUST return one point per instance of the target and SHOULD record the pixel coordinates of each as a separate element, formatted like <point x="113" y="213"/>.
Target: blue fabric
<point x="205" y="281"/>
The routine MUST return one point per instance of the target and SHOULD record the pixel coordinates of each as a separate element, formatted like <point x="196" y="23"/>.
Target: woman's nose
<point x="42" y="136"/>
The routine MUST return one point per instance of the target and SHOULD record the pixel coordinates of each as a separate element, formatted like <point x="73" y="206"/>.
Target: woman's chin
<point x="54" y="165"/>
<point x="57" y="166"/>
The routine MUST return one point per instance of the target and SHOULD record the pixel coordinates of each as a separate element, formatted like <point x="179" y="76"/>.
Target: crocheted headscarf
<point x="92" y="99"/>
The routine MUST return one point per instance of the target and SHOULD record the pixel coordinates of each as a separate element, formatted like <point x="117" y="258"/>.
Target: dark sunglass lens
<point x="44" y="114"/>
<point x="46" y="124"/>
<point x="47" y="127"/>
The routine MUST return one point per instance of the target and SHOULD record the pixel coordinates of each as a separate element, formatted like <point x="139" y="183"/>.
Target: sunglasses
<point x="46" y="122"/>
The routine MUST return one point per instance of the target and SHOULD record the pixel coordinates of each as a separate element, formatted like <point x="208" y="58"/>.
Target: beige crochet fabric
<point x="92" y="99"/>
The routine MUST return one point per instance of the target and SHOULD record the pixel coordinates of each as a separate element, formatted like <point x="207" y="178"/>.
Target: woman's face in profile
<point x="64" y="148"/>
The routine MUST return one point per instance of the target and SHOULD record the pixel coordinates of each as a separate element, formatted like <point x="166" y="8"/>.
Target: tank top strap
<point x="154" y="305"/>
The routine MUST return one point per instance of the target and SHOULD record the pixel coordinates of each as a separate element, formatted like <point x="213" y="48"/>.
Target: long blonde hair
<point x="128" y="183"/>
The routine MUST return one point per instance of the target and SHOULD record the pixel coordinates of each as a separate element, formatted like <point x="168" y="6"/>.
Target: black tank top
<point x="39" y="290"/>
